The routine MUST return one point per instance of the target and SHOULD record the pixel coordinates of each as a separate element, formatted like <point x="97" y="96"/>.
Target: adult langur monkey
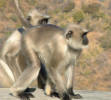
<point x="58" y="50"/>
<point x="11" y="55"/>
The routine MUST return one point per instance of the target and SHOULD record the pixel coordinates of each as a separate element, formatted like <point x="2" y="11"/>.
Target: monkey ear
<point x="69" y="34"/>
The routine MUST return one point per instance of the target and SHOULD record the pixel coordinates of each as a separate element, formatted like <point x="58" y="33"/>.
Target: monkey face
<point x="77" y="37"/>
<point x="36" y="18"/>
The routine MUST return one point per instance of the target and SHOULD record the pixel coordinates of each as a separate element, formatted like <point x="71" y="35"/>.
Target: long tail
<point x="24" y="22"/>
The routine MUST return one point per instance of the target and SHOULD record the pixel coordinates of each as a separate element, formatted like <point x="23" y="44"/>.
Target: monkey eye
<point x="69" y="34"/>
<point x="29" y="18"/>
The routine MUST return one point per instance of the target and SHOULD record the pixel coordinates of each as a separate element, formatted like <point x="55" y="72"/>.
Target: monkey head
<point x="76" y="37"/>
<point x="35" y="17"/>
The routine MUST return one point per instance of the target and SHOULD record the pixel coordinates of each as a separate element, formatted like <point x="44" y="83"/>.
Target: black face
<point x="44" y="21"/>
<point x="28" y="18"/>
<point x="69" y="34"/>
<point x="85" y="40"/>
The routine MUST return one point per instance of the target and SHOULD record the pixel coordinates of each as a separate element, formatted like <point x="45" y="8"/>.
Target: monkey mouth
<point x="44" y="21"/>
<point x="85" y="40"/>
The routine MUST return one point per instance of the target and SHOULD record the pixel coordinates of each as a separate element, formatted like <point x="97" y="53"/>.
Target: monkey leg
<point x="24" y="81"/>
<point x="50" y="89"/>
<point x="57" y="79"/>
<point x="11" y="61"/>
<point x="6" y="75"/>
<point x="43" y="83"/>
<point x="42" y="77"/>
<point x="70" y="78"/>
<point x="29" y="74"/>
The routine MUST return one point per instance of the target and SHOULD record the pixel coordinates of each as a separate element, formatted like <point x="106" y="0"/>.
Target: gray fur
<point x="11" y="52"/>
<point x="57" y="49"/>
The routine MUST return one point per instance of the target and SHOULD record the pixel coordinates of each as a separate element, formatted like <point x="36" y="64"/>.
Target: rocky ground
<point x="39" y="95"/>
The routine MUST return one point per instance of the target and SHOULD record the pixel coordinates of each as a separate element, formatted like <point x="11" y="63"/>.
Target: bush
<point x="8" y="33"/>
<point x="99" y="15"/>
<point x="78" y="16"/>
<point x="101" y="0"/>
<point x="2" y="3"/>
<point x="91" y="8"/>
<point x="106" y="41"/>
<point x="68" y="7"/>
<point x="31" y="2"/>
<point x="13" y="18"/>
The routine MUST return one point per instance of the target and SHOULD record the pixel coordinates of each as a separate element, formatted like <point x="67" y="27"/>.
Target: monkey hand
<point x="55" y="94"/>
<point x="25" y="96"/>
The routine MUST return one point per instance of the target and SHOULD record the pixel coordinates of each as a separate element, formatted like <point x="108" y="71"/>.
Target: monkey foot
<point x="73" y="95"/>
<point x="65" y="97"/>
<point x="55" y="94"/>
<point x="76" y="96"/>
<point x="25" y="96"/>
<point x="30" y="90"/>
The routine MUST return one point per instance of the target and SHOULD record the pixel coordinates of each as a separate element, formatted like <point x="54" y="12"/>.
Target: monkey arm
<point x="70" y="76"/>
<point x="57" y="78"/>
<point x="70" y="82"/>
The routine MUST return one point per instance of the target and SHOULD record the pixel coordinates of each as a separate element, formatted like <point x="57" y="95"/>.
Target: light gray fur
<point x="11" y="52"/>
<point x="58" y="50"/>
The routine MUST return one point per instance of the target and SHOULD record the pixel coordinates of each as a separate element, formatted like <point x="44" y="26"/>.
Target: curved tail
<point x="24" y="22"/>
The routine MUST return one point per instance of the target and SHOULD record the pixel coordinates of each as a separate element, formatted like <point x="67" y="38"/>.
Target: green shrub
<point x="63" y="25"/>
<point x="91" y="8"/>
<point x="31" y="2"/>
<point x="99" y="15"/>
<point x="101" y="0"/>
<point x="68" y="7"/>
<point x="18" y="25"/>
<point x="2" y="3"/>
<point x="108" y="28"/>
<point x="8" y="33"/>
<point x="13" y="18"/>
<point x="106" y="41"/>
<point x="78" y="16"/>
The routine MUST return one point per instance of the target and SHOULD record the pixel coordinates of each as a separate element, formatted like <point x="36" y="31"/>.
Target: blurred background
<point x="93" y="72"/>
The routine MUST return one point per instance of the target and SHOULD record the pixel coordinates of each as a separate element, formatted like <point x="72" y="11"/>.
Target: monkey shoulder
<point x="44" y="33"/>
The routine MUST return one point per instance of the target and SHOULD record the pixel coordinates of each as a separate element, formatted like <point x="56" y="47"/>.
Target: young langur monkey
<point x="9" y="64"/>
<point x="58" y="50"/>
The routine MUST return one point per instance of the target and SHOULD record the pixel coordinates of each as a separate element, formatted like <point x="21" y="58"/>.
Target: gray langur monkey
<point x="11" y="55"/>
<point x="58" y="50"/>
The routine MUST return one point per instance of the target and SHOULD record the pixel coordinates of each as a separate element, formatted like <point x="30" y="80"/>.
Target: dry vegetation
<point x="94" y="70"/>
